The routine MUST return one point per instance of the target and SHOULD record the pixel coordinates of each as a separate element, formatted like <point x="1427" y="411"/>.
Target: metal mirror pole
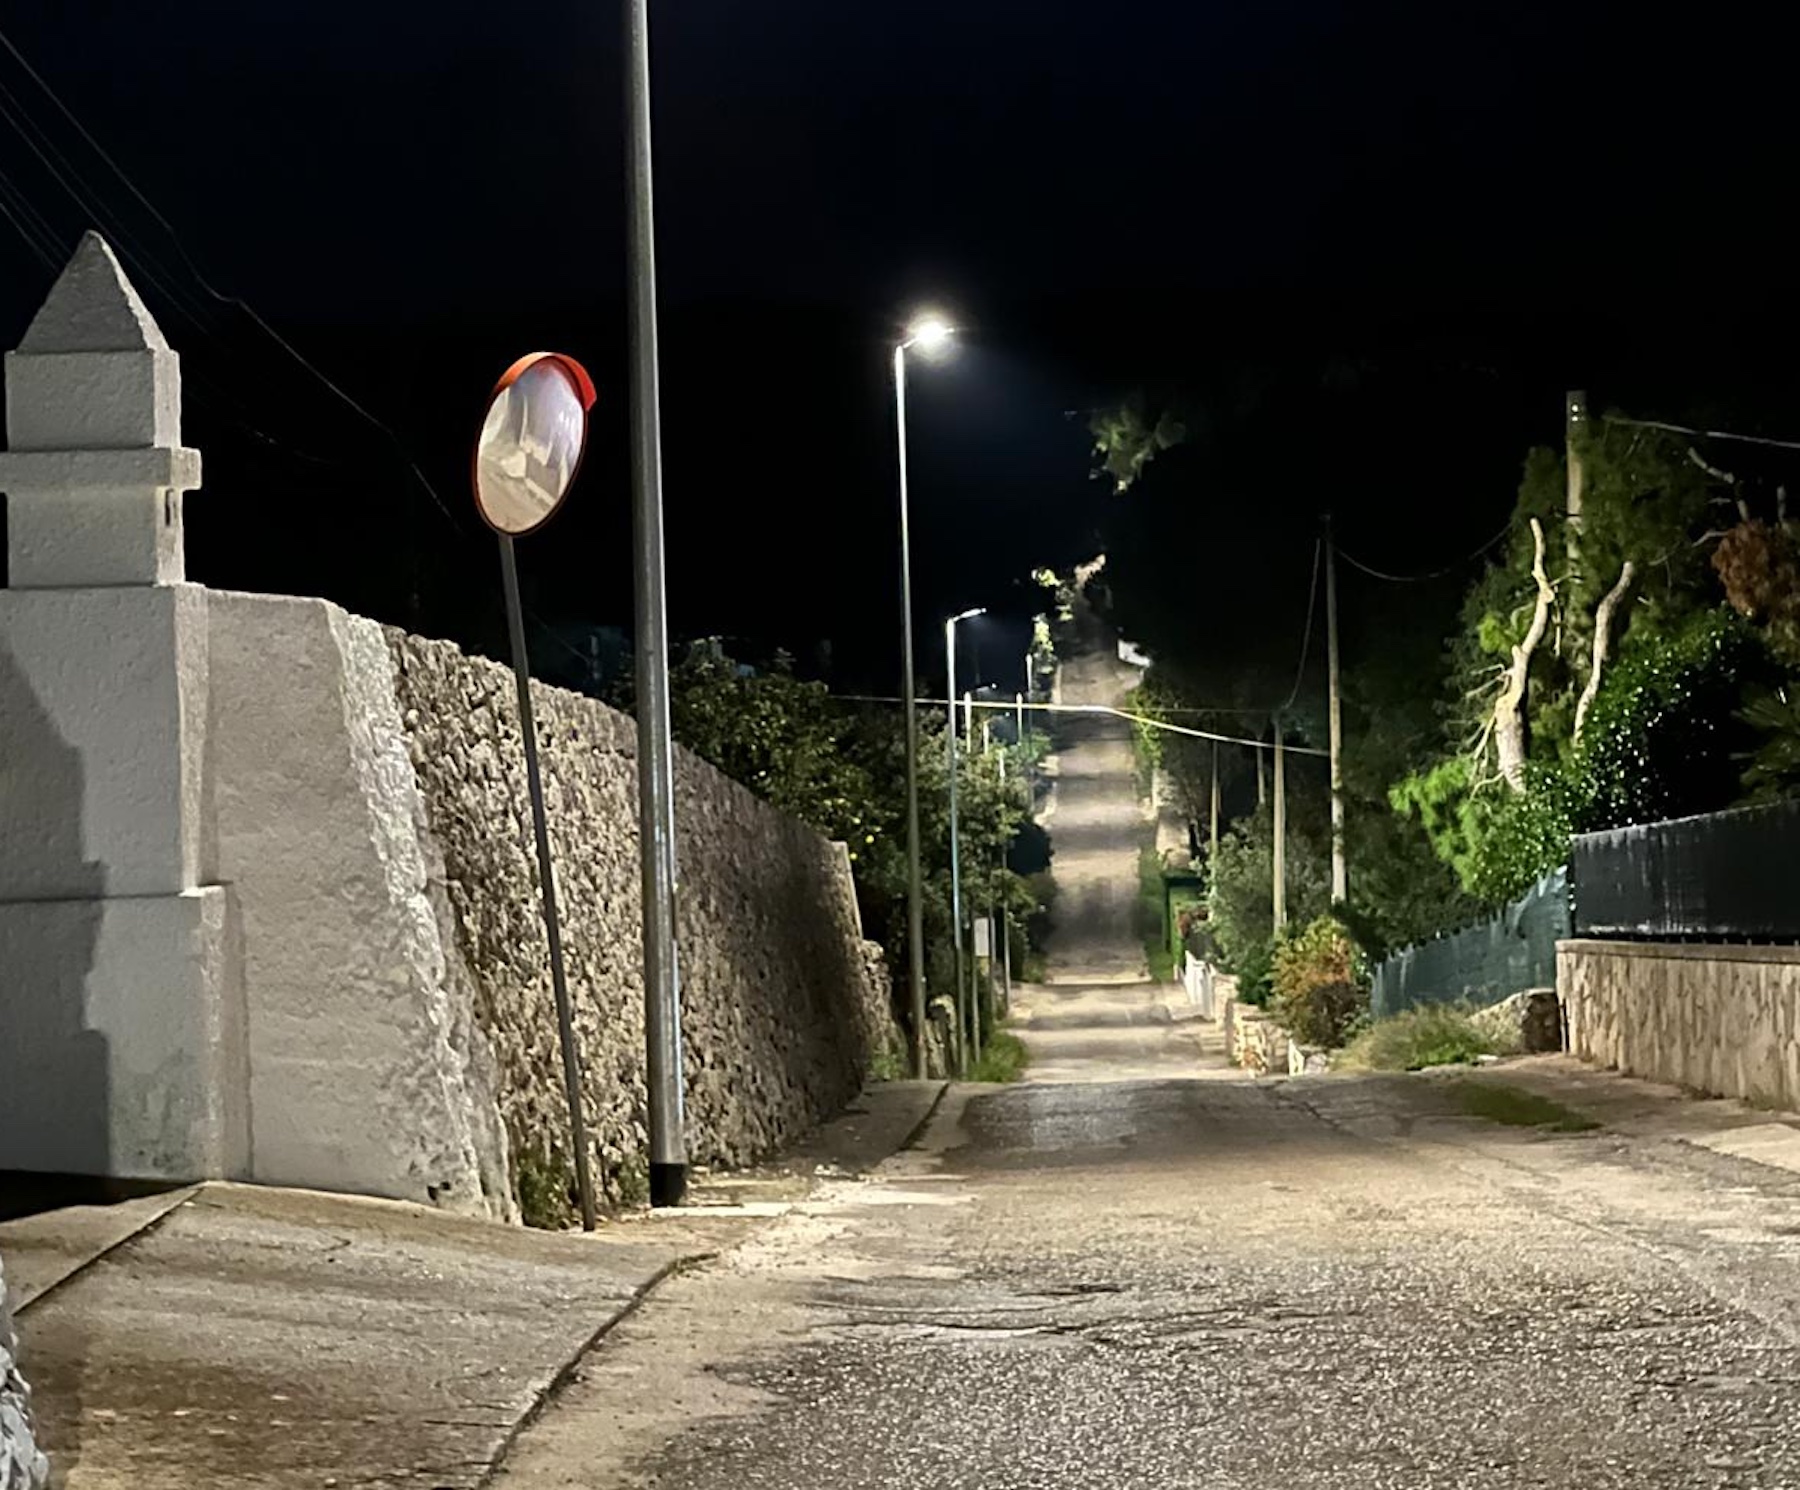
<point x="656" y="764"/>
<point x="565" y="1021"/>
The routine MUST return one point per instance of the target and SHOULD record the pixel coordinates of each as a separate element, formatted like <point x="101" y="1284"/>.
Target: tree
<point x="1128" y="438"/>
<point x="1620" y="719"/>
<point x="1241" y="886"/>
<point x="842" y="769"/>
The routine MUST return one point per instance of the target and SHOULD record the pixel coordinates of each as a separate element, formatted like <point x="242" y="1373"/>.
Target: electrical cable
<point x="1707" y="434"/>
<point x="1107" y="709"/>
<point x="232" y="301"/>
<point x="154" y="272"/>
<point x="1312" y="603"/>
<point x="1414" y="579"/>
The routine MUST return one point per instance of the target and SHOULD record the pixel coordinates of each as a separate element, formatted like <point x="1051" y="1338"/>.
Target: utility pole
<point x="1340" y="877"/>
<point x="1575" y="416"/>
<point x="1280" y="844"/>
<point x="656" y="755"/>
<point x="1001" y="919"/>
<point x="1213" y="848"/>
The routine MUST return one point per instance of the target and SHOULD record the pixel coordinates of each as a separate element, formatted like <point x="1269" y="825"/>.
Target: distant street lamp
<point x="971" y="1020"/>
<point x="928" y="334"/>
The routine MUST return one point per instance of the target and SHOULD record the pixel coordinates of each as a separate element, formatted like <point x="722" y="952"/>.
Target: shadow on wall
<point x="55" y="1097"/>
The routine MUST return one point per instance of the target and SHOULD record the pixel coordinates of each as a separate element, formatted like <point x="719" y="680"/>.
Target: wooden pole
<point x="1340" y="877"/>
<point x="1213" y="838"/>
<point x="1280" y="845"/>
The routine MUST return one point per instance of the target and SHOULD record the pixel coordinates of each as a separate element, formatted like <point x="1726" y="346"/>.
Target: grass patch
<point x="889" y="1064"/>
<point x="1430" y="1035"/>
<point x="545" y="1184"/>
<point x="1519" y="1109"/>
<point x="1003" y="1058"/>
<point x="1150" y="908"/>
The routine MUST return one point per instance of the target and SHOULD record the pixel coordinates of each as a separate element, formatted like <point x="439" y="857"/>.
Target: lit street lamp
<point x="972" y="1017"/>
<point x="929" y="334"/>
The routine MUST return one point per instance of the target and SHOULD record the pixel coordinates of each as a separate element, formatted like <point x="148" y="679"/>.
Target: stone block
<point x="103" y="400"/>
<point x="1529" y="1023"/>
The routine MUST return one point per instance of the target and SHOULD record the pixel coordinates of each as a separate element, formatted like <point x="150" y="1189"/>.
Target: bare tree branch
<point x="1712" y="471"/>
<point x="1510" y="736"/>
<point x="1603" y="618"/>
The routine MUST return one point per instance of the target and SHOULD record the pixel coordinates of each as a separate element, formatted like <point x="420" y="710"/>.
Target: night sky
<point x="1455" y="211"/>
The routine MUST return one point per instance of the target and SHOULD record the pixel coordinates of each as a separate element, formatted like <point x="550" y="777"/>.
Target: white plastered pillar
<point x="121" y="1026"/>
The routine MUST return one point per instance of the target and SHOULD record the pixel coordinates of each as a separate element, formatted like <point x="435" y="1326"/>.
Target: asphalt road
<point x="1126" y="1276"/>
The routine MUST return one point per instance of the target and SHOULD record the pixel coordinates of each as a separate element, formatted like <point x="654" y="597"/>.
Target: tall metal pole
<point x="1340" y="875"/>
<point x="656" y="763"/>
<point x="1280" y="835"/>
<point x="915" y="894"/>
<point x="955" y="852"/>
<point x="565" y="1021"/>
<point x="974" y="961"/>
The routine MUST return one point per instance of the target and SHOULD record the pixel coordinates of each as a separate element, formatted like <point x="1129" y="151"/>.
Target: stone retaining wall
<point x="1723" y="1020"/>
<point x="22" y="1466"/>
<point x="1255" y="1041"/>
<point x="784" y="1003"/>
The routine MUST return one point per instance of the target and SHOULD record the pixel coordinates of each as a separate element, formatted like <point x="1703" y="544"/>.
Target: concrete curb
<point x="29" y="1237"/>
<point x="565" y="1373"/>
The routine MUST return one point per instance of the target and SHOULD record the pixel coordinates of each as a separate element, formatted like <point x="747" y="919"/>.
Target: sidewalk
<point x="232" y="1335"/>
<point x="1636" y="1108"/>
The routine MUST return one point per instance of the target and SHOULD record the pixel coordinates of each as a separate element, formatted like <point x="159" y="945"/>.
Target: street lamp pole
<point x="971" y="1033"/>
<point x="929" y="334"/>
<point x="656" y="754"/>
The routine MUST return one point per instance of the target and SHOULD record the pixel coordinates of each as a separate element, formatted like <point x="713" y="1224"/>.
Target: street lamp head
<point x="969" y="615"/>
<point x="929" y="334"/>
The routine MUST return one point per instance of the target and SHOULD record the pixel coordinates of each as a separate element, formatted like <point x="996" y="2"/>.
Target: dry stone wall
<point x="784" y="1004"/>
<point x="22" y="1465"/>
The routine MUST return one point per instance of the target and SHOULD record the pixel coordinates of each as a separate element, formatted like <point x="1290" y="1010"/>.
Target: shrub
<point x="1255" y="964"/>
<point x="1667" y="738"/>
<point x="1430" y="1035"/>
<point x="1003" y="1058"/>
<point x="1317" y="985"/>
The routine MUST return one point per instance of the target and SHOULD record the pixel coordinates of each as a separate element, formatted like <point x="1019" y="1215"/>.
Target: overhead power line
<point x="1707" y="434"/>
<point x="1413" y="579"/>
<point x="1000" y="706"/>
<point x="14" y="202"/>
<point x="1312" y="603"/>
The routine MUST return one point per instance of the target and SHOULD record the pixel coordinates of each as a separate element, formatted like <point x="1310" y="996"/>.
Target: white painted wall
<point x="367" y="1071"/>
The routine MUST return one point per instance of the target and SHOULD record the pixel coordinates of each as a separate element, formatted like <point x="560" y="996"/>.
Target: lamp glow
<point x="930" y="333"/>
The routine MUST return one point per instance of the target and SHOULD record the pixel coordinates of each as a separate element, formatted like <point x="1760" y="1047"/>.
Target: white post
<point x="121" y="1029"/>
<point x="1340" y="875"/>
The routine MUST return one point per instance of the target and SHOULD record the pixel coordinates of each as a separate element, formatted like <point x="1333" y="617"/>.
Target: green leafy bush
<point x="1318" y="989"/>
<point x="1430" y="1035"/>
<point x="1240" y="891"/>
<point x="1774" y="770"/>
<point x="1255" y="968"/>
<point x="1667" y="734"/>
<point x="1003" y="1058"/>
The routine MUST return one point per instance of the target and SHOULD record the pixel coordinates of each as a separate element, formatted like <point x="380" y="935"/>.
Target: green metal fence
<point x="1484" y="963"/>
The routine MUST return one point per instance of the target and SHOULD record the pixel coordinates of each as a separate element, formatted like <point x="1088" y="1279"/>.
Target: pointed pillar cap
<point x="92" y="307"/>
